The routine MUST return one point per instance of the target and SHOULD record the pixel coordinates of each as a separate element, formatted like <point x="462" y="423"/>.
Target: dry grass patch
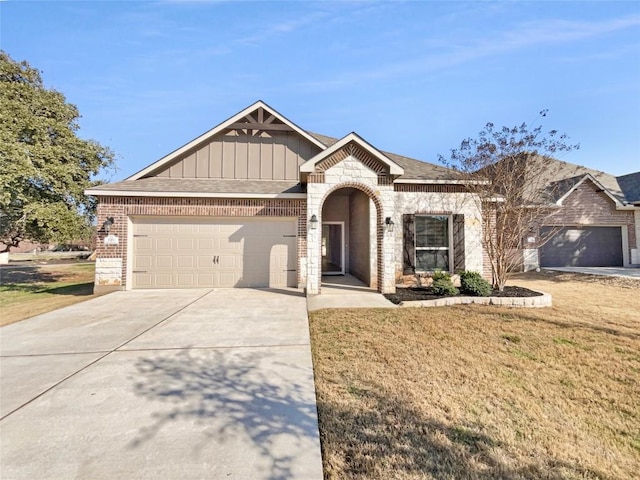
<point x="484" y="392"/>
<point x="26" y="291"/>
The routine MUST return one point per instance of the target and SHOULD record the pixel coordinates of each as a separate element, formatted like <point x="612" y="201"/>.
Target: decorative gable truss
<point x="355" y="147"/>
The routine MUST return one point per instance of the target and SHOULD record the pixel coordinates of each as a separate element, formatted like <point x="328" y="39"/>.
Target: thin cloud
<point x="525" y="36"/>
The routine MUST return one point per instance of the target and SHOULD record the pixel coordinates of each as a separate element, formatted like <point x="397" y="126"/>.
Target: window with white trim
<point x="432" y="242"/>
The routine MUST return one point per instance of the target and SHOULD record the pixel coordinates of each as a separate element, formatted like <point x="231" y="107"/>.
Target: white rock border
<point x="543" y="300"/>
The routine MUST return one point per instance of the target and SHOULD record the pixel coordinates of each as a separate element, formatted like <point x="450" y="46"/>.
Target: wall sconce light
<point x="106" y="226"/>
<point x="389" y="224"/>
<point x="313" y="222"/>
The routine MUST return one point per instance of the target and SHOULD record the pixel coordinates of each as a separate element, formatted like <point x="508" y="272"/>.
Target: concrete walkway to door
<point x="346" y="291"/>
<point x="161" y="384"/>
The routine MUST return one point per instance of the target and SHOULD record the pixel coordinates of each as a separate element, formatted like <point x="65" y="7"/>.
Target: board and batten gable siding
<point x="238" y="155"/>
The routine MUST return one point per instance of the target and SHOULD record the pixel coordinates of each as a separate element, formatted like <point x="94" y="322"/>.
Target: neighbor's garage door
<point x="203" y="252"/>
<point x="583" y="247"/>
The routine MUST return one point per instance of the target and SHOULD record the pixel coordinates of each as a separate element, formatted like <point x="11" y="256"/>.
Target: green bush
<point x="472" y="283"/>
<point x="440" y="275"/>
<point x="444" y="287"/>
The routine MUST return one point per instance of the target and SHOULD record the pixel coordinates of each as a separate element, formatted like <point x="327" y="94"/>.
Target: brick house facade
<point x="259" y="166"/>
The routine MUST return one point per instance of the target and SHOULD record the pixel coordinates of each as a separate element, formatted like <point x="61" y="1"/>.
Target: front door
<point x="333" y="248"/>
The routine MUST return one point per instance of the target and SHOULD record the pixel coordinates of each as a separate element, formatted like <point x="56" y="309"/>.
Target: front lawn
<point x="29" y="290"/>
<point x="484" y="392"/>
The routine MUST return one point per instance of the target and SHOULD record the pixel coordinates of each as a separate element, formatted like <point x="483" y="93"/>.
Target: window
<point x="432" y="242"/>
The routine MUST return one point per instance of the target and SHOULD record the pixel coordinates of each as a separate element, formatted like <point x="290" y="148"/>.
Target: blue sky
<point x="413" y="78"/>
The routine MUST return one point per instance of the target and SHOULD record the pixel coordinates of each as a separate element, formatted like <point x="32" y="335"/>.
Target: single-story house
<point x="257" y="201"/>
<point x="593" y="218"/>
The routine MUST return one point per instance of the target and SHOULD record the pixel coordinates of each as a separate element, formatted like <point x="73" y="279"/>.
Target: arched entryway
<point x="351" y="234"/>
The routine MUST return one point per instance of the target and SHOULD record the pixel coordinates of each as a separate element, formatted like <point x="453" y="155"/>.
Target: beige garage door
<point x="204" y="252"/>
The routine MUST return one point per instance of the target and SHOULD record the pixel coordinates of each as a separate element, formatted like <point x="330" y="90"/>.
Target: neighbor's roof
<point x="630" y="186"/>
<point x="563" y="176"/>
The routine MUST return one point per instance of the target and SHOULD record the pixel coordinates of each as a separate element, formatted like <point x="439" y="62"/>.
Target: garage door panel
<point x="164" y="244"/>
<point x="582" y="247"/>
<point x="162" y="280"/>
<point x="228" y="280"/>
<point x="164" y="261"/>
<point x="185" y="243"/>
<point x="143" y="261"/>
<point x="205" y="243"/>
<point x="205" y="262"/>
<point x="185" y="280"/>
<point x="180" y="252"/>
<point x="143" y="243"/>
<point x="185" y="261"/>
<point x="163" y="228"/>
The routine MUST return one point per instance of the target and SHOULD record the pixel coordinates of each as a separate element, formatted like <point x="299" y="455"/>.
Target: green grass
<point x="32" y="290"/>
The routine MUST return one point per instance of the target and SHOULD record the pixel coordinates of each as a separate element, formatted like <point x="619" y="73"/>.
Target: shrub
<point x="440" y="275"/>
<point x="443" y="286"/>
<point x="472" y="283"/>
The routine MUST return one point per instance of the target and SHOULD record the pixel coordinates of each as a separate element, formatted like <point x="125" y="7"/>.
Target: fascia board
<point x="126" y="193"/>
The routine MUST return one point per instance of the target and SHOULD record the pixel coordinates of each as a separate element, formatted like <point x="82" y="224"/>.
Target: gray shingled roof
<point x="413" y="169"/>
<point x="200" y="185"/>
<point x="630" y="186"/>
<point x="559" y="177"/>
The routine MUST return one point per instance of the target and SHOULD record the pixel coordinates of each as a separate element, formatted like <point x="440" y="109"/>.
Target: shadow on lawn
<point x="27" y="274"/>
<point x="231" y="396"/>
<point x="383" y="435"/>
<point x="538" y="316"/>
<point x="77" y="289"/>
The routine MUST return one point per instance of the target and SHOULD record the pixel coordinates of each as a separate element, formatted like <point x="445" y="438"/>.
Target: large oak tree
<point x="44" y="166"/>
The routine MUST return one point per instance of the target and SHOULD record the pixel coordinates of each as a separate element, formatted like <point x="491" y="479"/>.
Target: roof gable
<point x="351" y="144"/>
<point x="254" y="119"/>
<point x="599" y="186"/>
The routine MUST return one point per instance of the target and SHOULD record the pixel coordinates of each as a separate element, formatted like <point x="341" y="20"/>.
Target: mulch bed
<point x="424" y="293"/>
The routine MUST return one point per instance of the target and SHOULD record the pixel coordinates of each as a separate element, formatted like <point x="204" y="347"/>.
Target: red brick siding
<point x="433" y="188"/>
<point x="120" y="208"/>
<point x="586" y="206"/>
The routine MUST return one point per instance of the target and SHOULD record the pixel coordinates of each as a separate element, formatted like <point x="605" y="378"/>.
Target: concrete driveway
<point x="628" y="272"/>
<point x="161" y="384"/>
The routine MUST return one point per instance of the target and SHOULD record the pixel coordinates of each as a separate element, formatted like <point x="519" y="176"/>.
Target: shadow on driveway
<point x="232" y="395"/>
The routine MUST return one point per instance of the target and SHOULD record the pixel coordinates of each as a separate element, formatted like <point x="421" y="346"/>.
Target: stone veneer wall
<point x="112" y="259"/>
<point x="350" y="172"/>
<point x="440" y="202"/>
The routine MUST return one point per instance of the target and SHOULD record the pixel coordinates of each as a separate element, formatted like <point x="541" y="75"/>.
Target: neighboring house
<point x="593" y="220"/>
<point x="259" y="202"/>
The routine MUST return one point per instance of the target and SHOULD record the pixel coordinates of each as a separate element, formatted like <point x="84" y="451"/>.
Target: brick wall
<point x="587" y="206"/>
<point x="121" y="208"/>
